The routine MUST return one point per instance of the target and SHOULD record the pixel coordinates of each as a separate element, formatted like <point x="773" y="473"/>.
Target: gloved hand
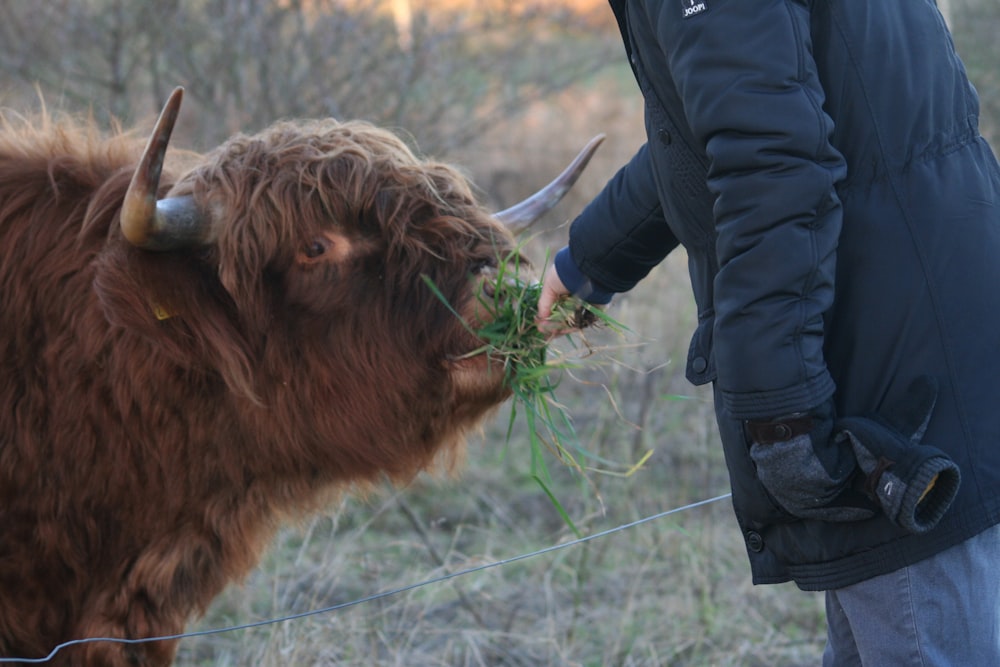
<point x="809" y="473"/>
<point x="844" y="471"/>
<point x="914" y="484"/>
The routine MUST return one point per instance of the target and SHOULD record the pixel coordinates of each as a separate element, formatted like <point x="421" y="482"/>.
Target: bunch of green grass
<point x="513" y="341"/>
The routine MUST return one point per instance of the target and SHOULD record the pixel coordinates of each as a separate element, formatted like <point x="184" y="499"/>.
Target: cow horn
<point x="520" y="217"/>
<point x="169" y="223"/>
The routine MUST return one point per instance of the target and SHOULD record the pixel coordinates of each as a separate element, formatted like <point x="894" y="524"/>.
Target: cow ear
<point x="134" y="286"/>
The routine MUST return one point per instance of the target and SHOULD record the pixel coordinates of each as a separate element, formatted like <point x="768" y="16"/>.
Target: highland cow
<point x="187" y="361"/>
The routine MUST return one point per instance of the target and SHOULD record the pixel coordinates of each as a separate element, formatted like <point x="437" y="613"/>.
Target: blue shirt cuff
<point x="577" y="283"/>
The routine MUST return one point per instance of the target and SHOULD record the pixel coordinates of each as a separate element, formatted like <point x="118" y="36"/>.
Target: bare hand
<point x="553" y="291"/>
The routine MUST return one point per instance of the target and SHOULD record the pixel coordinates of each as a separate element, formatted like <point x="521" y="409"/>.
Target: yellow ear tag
<point x="161" y="313"/>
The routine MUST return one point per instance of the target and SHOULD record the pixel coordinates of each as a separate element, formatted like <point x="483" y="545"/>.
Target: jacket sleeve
<point x="752" y="97"/>
<point x="620" y="236"/>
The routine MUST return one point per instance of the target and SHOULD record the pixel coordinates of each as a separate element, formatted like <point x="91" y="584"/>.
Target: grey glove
<point x="846" y="471"/>
<point x="810" y="474"/>
<point x="914" y="484"/>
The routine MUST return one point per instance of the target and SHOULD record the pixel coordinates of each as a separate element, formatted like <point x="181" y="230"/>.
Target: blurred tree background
<point x="976" y="26"/>
<point x="443" y="71"/>
<point x="446" y="72"/>
<point x="510" y="89"/>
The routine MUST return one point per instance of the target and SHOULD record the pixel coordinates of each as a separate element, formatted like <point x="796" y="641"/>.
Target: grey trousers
<point x="941" y="612"/>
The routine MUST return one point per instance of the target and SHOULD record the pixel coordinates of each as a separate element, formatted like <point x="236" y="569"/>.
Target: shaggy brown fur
<point x="145" y="463"/>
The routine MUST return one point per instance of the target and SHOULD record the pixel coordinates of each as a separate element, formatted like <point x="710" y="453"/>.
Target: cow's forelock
<point x="275" y="194"/>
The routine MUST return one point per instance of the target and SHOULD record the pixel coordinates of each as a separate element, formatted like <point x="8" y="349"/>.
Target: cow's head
<point x="313" y="247"/>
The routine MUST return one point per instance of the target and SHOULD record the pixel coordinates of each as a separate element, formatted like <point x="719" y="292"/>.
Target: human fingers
<point x="553" y="290"/>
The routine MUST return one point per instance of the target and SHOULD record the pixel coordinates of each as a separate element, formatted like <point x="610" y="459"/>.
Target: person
<point x="821" y="164"/>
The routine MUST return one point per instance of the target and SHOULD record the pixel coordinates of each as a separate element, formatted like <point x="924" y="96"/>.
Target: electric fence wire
<point x="370" y="598"/>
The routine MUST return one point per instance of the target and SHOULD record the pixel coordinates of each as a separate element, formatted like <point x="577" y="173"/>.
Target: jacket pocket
<point x="751" y="500"/>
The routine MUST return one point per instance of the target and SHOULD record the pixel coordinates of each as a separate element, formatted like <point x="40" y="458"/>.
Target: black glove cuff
<point x="914" y="484"/>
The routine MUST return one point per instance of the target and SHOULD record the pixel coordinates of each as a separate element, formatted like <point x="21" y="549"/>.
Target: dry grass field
<point x="672" y="591"/>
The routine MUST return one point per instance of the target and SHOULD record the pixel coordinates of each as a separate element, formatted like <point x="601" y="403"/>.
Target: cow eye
<point x="316" y="248"/>
<point x="477" y="266"/>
